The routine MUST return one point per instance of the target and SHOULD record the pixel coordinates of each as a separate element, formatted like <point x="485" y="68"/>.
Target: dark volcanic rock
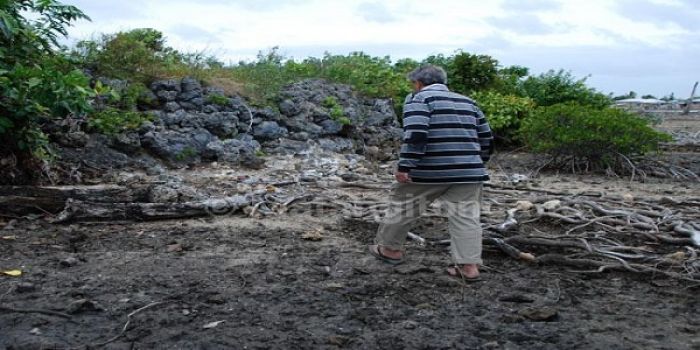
<point x="306" y="107"/>
<point x="269" y="130"/>
<point x="166" y="85"/>
<point x="128" y="143"/>
<point x="178" y="147"/>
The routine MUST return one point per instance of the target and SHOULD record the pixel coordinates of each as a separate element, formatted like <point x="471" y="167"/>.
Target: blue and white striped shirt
<point x="446" y="138"/>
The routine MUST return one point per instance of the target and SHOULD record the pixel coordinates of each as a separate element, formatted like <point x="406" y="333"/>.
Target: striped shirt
<point x="446" y="138"/>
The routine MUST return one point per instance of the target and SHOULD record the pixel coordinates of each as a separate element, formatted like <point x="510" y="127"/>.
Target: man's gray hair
<point x="428" y="75"/>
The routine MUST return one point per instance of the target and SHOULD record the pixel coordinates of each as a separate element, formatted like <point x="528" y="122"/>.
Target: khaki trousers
<point x="462" y="203"/>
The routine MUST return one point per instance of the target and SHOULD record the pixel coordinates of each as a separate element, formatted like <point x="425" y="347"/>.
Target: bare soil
<point x="232" y="282"/>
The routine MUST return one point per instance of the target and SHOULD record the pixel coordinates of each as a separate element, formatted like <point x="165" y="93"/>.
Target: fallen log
<point x="26" y="199"/>
<point x="76" y="210"/>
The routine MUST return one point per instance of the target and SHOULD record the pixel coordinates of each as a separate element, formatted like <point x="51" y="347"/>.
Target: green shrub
<point x="36" y="81"/>
<point x="370" y="76"/>
<point x="112" y="121"/>
<point x="185" y="154"/>
<point x="597" y="138"/>
<point x="140" y="56"/>
<point x="504" y="112"/>
<point x="219" y="100"/>
<point x="556" y="87"/>
<point x="134" y="95"/>
<point x="335" y="110"/>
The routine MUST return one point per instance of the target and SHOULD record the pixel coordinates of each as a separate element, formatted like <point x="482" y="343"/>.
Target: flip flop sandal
<point x="374" y="250"/>
<point x="457" y="273"/>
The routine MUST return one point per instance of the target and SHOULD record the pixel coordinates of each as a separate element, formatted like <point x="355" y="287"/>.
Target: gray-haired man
<point x="446" y="143"/>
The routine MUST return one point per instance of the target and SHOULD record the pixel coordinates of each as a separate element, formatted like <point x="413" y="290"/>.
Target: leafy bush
<point x="36" y="81"/>
<point x="112" y="121"/>
<point x="134" y="95"/>
<point x="140" y="56"/>
<point x="598" y="138"/>
<point x="504" y="112"/>
<point x="336" y="110"/>
<point x="556" y="87"/>
<point x="219" y="100"/>
<point x="370" y="76"/>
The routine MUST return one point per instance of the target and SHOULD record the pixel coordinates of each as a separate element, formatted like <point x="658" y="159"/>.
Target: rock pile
<point x="192" y="124"/>
<point x="333" y="116"/>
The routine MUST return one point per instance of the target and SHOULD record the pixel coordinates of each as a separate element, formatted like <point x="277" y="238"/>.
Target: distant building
<point x="639" y="102"/>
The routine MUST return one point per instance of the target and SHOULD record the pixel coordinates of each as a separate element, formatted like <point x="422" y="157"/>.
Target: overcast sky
<point x="650" y="46"/>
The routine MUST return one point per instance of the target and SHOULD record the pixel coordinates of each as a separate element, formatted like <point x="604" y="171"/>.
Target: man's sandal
<point x="456" y="272"/>
<point x="374" y="250"/>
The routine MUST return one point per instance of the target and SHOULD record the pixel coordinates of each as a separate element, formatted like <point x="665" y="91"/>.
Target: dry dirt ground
<point x="232" y="282"/>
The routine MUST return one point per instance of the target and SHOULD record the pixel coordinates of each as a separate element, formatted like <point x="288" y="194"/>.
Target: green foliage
<point x="509" y="80"/>
<point x="597" y="137"/>
<point x="112" y="121"/>
<point x="140" y="56"/>
<point x="219" y="100"/>
<point x="370" y="76"/>
<point x="473" y="72"/>
<point x="185" y="154"/>
<point x="504" y="112"/>
<point x="36" y="81"/>
<point x="134" y="95"/>
<point x="467" y="72"/>
<point x="336" y="110"/>
<point x="555" y="87"/>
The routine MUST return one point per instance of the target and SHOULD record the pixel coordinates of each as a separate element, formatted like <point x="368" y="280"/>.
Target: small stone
<point x="524" y="205"/>
<point x="243" y="188"/>
<point x="338" y="340"/>
<point x="491" y="345"/>
<point x="628" y="198"/>
<point x="350" y="177"/>
<point x="539" y="314"/>
<point x="35" y="331"/>
<point x="83" y="305"/>
<point x="410" y="324"/>
<point x="25" y="287"/>
<point x="314" y="235"/>
<point x="174" y="248"/>
<point x="69" y="261"/>
<point x="552" y="205"/>
<point x="516" y="298"/>
<point x="216" y="299"/>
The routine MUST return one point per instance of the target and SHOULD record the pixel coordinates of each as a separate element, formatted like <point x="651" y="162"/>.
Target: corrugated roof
<point x="641" y="101"/>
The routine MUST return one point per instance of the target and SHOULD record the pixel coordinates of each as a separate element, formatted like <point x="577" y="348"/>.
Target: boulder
<point x="128" y="142"/>
<point x="166" y="85"/>
<point x="172" y="106"/>
<point x="336" y="145"/>
<point x="72" y="139"/>
<point x="166" y="96"/>
<point x="178" y="147"/>
<point x="331" y="127"/>
<point x="191" y="84"/>
<point x="222" y="124"/>
<point x="269" y="130"/>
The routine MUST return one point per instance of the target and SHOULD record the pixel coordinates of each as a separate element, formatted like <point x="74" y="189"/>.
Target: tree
<point x="472" y="73"/>
<point x="556" y="87"/>
<point x="36" y="81"/>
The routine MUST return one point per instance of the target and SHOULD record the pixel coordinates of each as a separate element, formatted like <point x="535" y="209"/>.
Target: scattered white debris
<point x="552" y="205"/>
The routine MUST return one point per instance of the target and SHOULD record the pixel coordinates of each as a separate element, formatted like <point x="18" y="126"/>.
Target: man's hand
<point x="402" y="177"/>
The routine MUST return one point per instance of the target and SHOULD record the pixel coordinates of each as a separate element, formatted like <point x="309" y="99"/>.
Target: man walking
<point x="446" y="143"/>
